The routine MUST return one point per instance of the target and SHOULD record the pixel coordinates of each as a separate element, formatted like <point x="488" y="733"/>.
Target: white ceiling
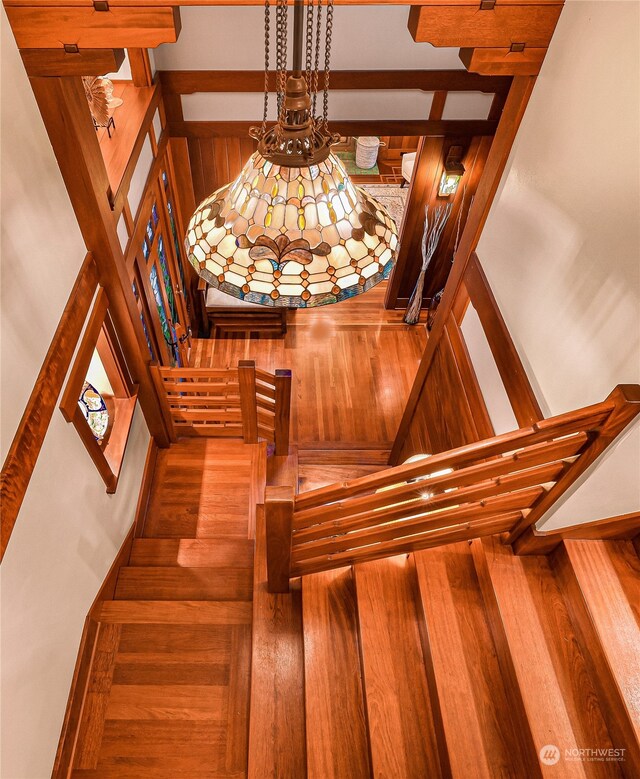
<point x="365" y="37"/>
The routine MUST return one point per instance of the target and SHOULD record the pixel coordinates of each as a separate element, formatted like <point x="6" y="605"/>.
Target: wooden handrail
<point x="501" y="485"/>
<point x="244" y="402"/>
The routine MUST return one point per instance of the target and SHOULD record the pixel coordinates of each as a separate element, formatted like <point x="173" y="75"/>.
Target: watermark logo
<point x="549" y="754"/>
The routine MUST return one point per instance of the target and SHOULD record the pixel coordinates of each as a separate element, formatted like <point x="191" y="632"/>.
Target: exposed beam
<point x="470" y="26"/>
<point x="187" y="82"/>
<point x="84" y="62"/>
<point x="457" y="127"/>
<point x="503" y="62"/>
<point x="83" y="26"/>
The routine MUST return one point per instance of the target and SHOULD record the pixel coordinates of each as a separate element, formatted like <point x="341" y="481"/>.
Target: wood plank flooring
<point x="168" y="693"/>
<point x="353" y="367"/>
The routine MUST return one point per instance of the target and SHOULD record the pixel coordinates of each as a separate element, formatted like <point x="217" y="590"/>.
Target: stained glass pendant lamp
<point x="292" y="230"/>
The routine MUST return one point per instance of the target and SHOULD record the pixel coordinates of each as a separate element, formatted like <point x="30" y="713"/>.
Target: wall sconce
<point x="452" y="173"/>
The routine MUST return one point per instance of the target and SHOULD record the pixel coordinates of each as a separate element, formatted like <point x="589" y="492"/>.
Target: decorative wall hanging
<point x="430" y="239"/>
<point x="292" y="230"/>
<point x="102" y="103"/>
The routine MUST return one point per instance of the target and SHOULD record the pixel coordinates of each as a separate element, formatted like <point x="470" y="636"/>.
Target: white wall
<point x="68" y="530"/>
<point x="561" y="247"/>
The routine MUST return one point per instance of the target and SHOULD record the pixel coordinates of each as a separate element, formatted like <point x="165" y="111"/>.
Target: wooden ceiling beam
<point x="504" y="62"/>
<point x="39" y="27"/>
<point x="451" y="127"/>
<point x="470" y="26"/>
<point x="84" y="62"/>
<point x="186" y="82"/>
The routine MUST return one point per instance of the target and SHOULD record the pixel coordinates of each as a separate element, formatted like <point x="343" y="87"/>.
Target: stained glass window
<point x="157" y="294"/>
<point x="154" y="215"/>
<point x="165" y="179"/>
<point x="167" y="280"/>
<point x="150" y="232"/>
<point x="94" y="409"/>
<point x="146" y="334"/>
<point x="145" y="249"/>
<point x="176" y="242"/>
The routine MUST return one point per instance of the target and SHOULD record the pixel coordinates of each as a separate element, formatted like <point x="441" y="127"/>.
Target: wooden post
<point x="283" y="411"/>
<point x="63" y="105"/>
<point x="156" y="377"/>
<point x="248" y="405"/>
<point x="278" y="505"/>
<point x="627" y="406"/>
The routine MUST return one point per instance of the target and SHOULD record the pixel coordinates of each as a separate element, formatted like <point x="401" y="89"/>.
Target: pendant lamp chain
<point x="267" y="36"/>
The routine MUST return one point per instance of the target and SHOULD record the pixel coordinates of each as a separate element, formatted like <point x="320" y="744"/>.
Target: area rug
<point x="391" y="196"/>
<point x="348" y="159"/>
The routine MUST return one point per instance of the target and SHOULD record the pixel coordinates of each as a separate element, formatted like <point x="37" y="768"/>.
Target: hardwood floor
<point x="353" y="367"/>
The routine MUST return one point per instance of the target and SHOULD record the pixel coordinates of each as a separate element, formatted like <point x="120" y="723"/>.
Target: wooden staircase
<point x="461" y="660"/>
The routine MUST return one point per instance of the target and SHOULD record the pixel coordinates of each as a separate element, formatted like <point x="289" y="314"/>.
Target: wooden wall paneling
<point x="474" y="162"/>
<point x="51" y="27"/>
<point x="496" y="160"/>
<point x="504" y="62"/>
<point x="140" y="68"/>
<point x="63" y="105"/>
<point x="512" y="372"/>
<point x="186" y="82"/>
<point x="27" y="442"/>
<point x="197" y="171"/>
<point x="84" y="62"/>
<point x="469" y="26"/>
<point x="421" y="191"/>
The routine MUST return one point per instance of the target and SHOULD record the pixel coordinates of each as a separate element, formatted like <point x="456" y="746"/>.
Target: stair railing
<point x="244" y="402"/>
<point x="503" y="484"/>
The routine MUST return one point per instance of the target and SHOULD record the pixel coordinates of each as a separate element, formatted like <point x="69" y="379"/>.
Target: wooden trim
<point x="49" y="27"/>
<point x="497" y="159"/>
<point x="282" y="422"/>
<point x="187" y="82"/>
<point x="145" y="489"/>
<point x="63" y="105"/>
<point x="457" y="127"/>
<point x="623" y="526"/>
<point x="626" y="399"/>
<point x="69" y="402"/>
<point x="27" y="442"/>
<point x="85" y="62"/>
<point x="512" y="372"/>
<point x="140" y="68"/>
<point x="216" y="3"/>
<point x="278" y="505"/>
<point x="248" y="408"/>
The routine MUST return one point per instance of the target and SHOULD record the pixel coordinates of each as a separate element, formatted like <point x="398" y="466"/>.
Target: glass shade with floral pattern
<point x="292" y="236"/>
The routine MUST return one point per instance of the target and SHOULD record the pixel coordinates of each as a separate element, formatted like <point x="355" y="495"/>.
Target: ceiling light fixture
<point x="292" y="230"/>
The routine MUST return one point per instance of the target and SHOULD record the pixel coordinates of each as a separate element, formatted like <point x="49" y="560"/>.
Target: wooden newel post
<point x="283" y="411"/>
<point x="278" y="506"/>
<point x="248" y="404"/>
<point x="165" y="409"/>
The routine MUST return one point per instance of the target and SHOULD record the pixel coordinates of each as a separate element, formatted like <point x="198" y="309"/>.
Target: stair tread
<point x="601" y="583"/>
<point x="193" y="552"/>
<point x="175" y="583"/>
<point x="477" y="720"/>
<point x="177" y="612"/>
<point x="557" y="691"/>
<point x="402" y="730"/>
<point x="277" y="719"/>
<point x="313" y="476"/>
<point x="333" y="684"/>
